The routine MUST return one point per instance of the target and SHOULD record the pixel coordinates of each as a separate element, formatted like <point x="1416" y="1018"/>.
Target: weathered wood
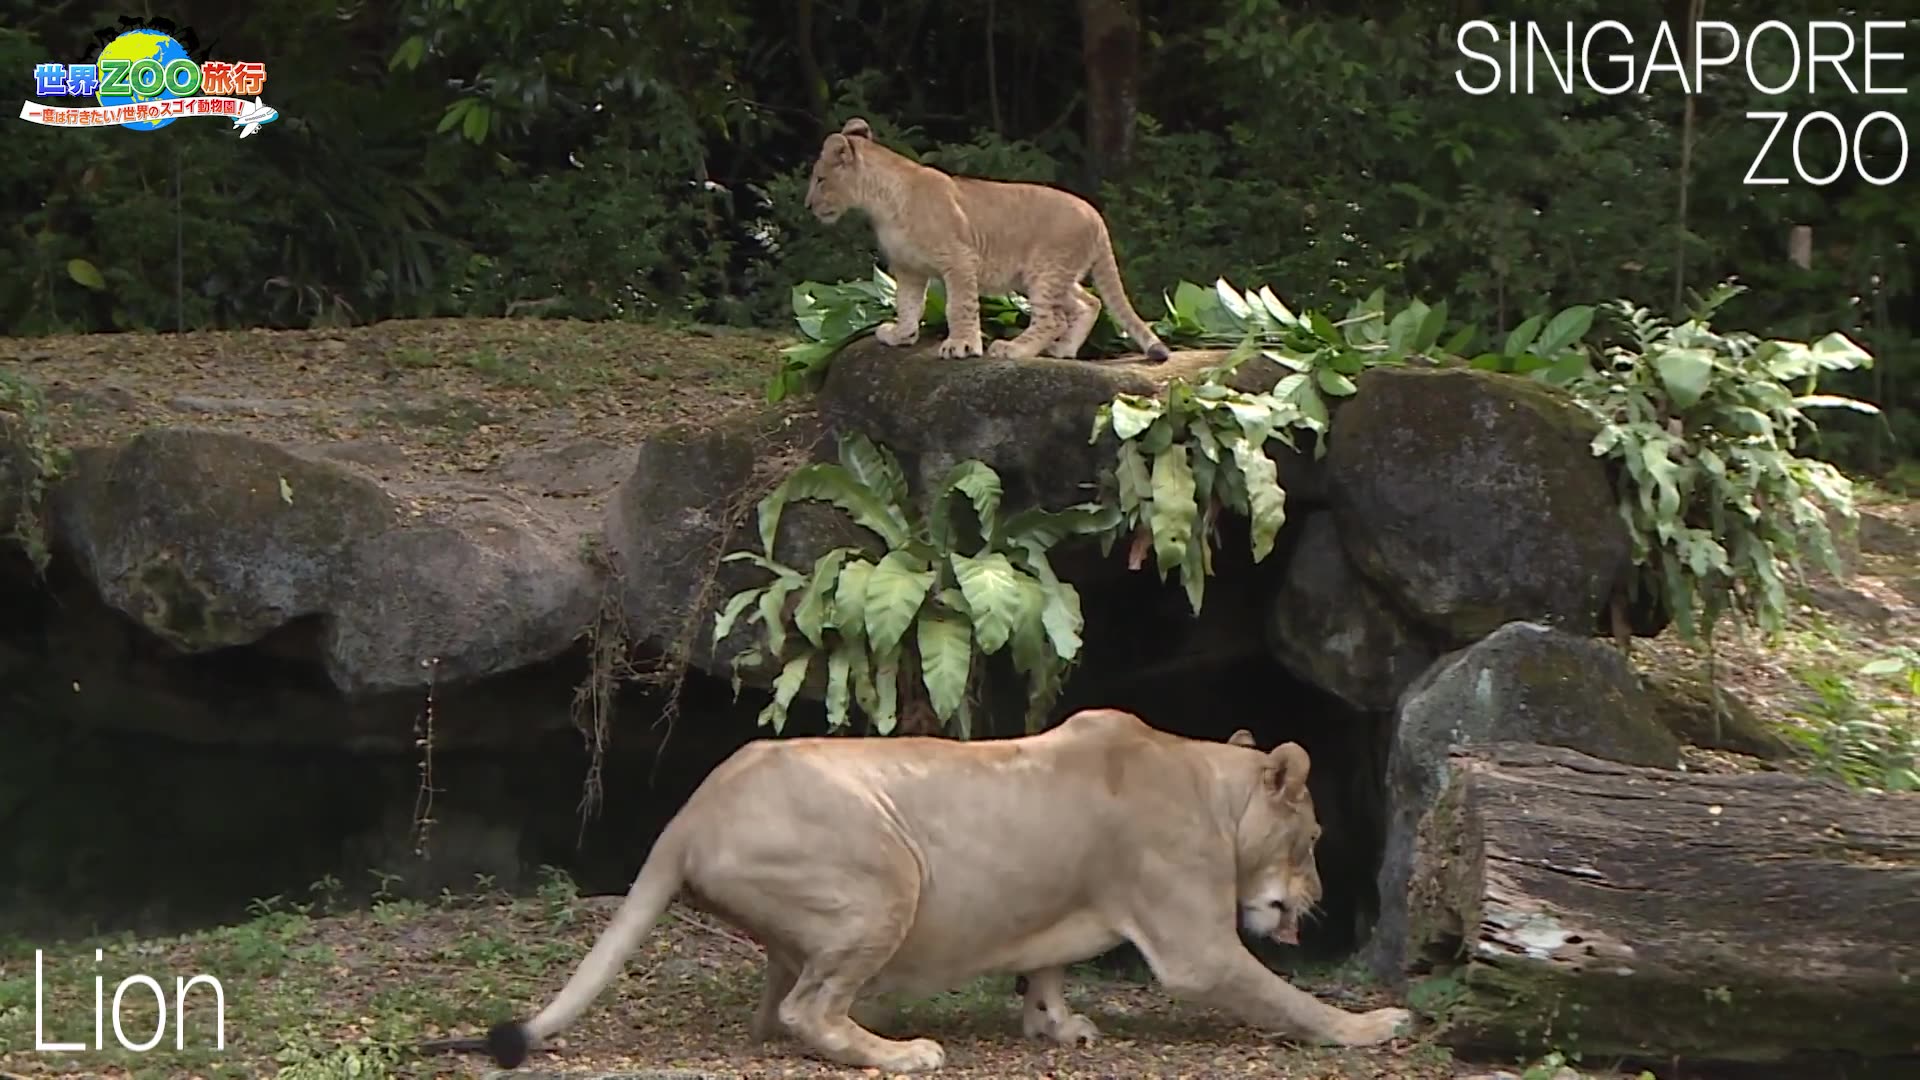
<point x="1562" y="902"/>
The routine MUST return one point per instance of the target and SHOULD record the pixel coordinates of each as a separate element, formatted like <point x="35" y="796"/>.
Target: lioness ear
<point x="1243" y="737"/>
<point x="1287" y="767"/>
<point x="857" y="128"/>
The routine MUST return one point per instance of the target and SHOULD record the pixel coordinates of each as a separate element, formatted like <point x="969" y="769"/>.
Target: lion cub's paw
<point x="915" y="1055"/>
<point x="955" y="348"/>
<point x="1002" y="349"/>
<point x="896" y="335"/>
<point x="1378" y="1026"/>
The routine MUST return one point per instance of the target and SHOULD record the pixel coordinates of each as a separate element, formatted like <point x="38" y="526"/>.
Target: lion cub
<point x="978" y="236"/>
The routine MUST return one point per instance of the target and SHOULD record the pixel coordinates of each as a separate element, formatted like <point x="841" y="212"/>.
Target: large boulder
<point x="1525" y="682"/>
<point x="1473" y="498"/>
<point x="210" y="539"/>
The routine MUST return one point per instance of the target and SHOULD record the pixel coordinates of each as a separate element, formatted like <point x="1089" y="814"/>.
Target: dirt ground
<point x="314" y="995"/>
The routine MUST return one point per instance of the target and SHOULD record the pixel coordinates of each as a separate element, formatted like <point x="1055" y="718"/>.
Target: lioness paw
<point x="916" y="1055"/>
<point x="896" y="335"/>
<point x="955" y="348"/>
<point x="1075" y="1030"/>
<point x="1378" y="1026"/>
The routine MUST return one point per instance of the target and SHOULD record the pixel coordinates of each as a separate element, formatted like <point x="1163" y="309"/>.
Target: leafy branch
<point x="1719" y="505"/>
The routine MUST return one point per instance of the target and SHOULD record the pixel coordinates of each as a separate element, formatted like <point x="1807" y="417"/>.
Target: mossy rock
<point x="1475" y="500"/>
<point x="211" y="539"/>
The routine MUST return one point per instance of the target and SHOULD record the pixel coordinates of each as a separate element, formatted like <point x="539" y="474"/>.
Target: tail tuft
<point x="507" y="1041"/>
<point x="1158" y="353"/>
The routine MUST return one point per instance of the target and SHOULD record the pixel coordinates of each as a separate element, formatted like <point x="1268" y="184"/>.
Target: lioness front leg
<point x="1217" y="970"/>
<point x="1045" y="1014"/>
<point x="909" y="304"/>
<point x="963" y="311"/>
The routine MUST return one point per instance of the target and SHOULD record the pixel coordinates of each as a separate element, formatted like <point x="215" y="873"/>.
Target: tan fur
<point x="913" y="865"/>
<point x="979" y="237"/>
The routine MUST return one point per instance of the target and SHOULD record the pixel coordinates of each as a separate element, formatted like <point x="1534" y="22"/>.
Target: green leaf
<point x="839" y="670"/>
<point x="1835" y="401"/>
<point x="832" y="483"/>
<point x="1133" y="414"/>
<point x="1405" y="328"/>
<point x="454" y="113"/>
<point x="785" y="686"/>
<point x="1060" y="613"/>
<point x="1047" y="528"/>
<point x="886" y="683"/>
<point x="981" y="485"/>
<point x="896" y="587"/>
<point x="999" y="596"/>
<point x="1265" y="498"/>
<point x="1522" y="336"/>
<point x="1277" y="309"/>
<point x="409" y="54"/>
<point x="874" y="467"/>
<point x="1333" y="382"/>
<point x="1173" y="515"/>
<point x="85" y="273"/>
<point x="1837" y="352"/>
<point x="946" y="658"/>
<point x="1685" y="373"/>
<point x="476" y="122"/>
<point x="737" y="603"/>
<point x="1432" y="325"/>
<point x="811" y="616"/>
<point x="1566" y="328"/>
<point x="773" y="612"/>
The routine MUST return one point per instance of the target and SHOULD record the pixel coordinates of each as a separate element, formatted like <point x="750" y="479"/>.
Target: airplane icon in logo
<point x="256" y="115"/>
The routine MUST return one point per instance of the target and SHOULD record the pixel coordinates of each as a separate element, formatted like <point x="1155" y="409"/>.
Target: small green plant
<point x="1868" y="743"/>
<point x="29" y="463"/>
<point x="1705" y="425"/>
<point x="901" y="631"/>
<point x="831" y="317"/>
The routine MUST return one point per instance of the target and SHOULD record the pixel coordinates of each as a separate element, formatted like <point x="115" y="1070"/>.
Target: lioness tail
<point x="653" y="889"/>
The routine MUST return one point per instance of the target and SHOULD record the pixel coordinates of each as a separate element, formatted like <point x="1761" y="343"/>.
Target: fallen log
<point x="1558" y="901"/>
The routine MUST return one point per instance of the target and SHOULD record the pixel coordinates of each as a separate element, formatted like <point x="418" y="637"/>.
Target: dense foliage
<point x="613" y="159"/>
<point x="1703" y="425"/>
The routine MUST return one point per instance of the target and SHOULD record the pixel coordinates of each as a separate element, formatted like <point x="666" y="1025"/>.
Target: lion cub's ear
<point x="857" y="128"/>
<point x="1287" y="767"/>
<point x="838" y="150"/>
<point x="1243" y="737"/>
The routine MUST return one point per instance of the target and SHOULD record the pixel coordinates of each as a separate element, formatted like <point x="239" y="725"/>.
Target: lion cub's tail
<point x="1113" y="293"/>
<point x="510" y="1040"/>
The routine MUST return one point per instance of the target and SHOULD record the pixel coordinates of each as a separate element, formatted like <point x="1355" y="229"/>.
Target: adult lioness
<point x="878" y="865"/>
<point x="976" y="235"/>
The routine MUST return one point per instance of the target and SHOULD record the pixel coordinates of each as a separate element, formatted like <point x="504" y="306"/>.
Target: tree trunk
<point x="1110" y="47"/>
<point x="1562" y="902"/>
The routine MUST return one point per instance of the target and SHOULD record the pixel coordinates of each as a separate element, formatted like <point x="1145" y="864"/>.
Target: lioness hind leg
<point x="1045" y="1014"/>
<point x="781" y="975"/>
<point x="842" y="952"/>
<point x="1086" y="314"/>
<point x="1054" y="311"/>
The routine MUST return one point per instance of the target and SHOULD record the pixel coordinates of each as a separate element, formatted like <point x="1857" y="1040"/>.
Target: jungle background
<point x="605" y="159"/>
